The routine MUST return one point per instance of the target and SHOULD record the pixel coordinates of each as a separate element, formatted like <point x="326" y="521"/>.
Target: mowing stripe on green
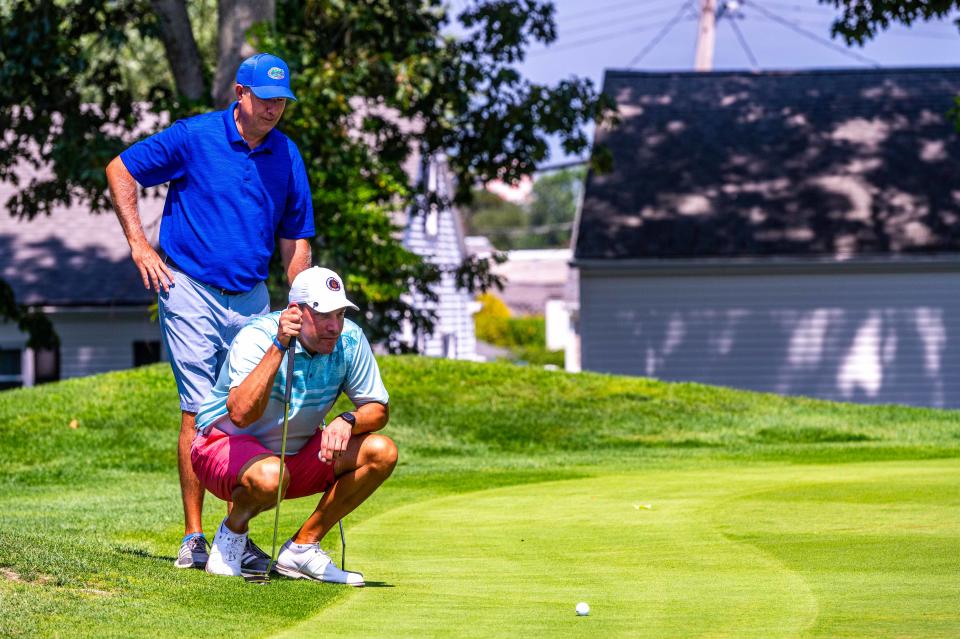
<point x="767" y="551"/>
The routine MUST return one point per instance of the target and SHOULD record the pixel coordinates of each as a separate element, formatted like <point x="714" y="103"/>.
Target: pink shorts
<point x="218" y="458"/>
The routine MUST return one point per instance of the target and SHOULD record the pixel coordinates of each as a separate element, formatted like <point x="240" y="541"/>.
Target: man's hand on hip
<point x="154" y="272"/>
<point x="333" y="442"/>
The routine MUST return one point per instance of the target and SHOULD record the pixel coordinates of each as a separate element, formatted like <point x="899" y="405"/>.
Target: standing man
<point x="236" y="452"/>
<point x="236" y="186"/>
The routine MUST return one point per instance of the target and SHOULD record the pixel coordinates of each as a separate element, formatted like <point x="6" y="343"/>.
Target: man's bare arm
<point x="247" y="402"/>
<point x="336" y="434"/>
<point x="371" y="417"/>
<point x="123" y="191"/>
<point x="296" y="256"/>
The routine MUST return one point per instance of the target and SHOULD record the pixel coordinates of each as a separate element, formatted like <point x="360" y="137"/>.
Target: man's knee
<point x="262" y="479"/>
<point x="381" y="452"/>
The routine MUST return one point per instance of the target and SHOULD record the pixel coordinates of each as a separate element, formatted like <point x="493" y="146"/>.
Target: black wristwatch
<point x="350" y="418"/>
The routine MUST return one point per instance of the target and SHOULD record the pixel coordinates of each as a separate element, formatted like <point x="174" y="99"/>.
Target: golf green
<point x="773" y="550"/>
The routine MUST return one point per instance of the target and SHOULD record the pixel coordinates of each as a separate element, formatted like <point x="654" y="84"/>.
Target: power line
<point x="620" y="20"/>
<point x="661" y="35"/>
<point x="743" y="43"/>
<point x="816" y="38"/>
<point x="559" y="166"/>
<point x="907" y="32"/>
<point x="802" y="8"/>
<point x="602" y="37"/>
<point x="619" y="5"/>
<point x="917" y="34"/>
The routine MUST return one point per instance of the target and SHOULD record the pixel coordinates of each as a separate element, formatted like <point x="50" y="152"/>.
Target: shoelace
<point x="320" y="551"/>
<point x="198" y="544"/>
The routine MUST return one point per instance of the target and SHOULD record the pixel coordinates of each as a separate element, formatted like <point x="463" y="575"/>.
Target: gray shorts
<point x="197" y="323"/>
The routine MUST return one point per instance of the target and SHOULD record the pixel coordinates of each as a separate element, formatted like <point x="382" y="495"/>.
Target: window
<point x="11" y="372"/>
<point x="46" y="365"/>
<point x="450" y="346"/>
<point x="146" y="352"/>
<point x="431" y="222"/>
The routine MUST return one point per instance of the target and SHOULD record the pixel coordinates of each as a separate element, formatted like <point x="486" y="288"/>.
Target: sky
<point x="595" y="35"/>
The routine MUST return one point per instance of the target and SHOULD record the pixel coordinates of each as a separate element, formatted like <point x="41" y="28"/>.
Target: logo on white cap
<point x="275" y="73"/>
<point x="321" y="289"/>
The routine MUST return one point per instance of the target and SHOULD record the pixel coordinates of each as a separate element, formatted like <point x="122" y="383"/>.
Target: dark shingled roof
<point x="72" y="257"/>
<point x="838" y="163"/>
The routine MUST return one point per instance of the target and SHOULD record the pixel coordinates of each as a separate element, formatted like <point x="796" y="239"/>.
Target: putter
<point x="265" y="577"/>
<point x="343" y="547"/>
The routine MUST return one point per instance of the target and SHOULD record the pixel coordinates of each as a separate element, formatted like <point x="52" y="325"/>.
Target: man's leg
<point x="367" y="462"/>
<point x="191" y="491"/>
<point x="255" y="492"/>
<point x="364" y="466"/>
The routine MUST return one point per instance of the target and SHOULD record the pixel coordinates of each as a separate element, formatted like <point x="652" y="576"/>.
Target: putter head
<point x="257" y="578"/>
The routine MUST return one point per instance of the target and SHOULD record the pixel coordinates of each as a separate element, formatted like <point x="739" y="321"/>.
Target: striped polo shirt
<point x="317" y="382"/>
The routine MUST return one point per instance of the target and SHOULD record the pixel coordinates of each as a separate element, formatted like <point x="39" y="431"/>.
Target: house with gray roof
<point x="792" y="232"/>
<point x="76" y="267"/>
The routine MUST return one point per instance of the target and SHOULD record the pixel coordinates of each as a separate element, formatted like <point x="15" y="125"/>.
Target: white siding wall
<point x="92" y="341"/>
<point x="454" y="318"/>
<point x="437" y="236"/>
<point x="864" y="337"/>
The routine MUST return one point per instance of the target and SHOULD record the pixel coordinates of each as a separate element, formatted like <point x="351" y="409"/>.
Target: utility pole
<point x="706" y="36"/>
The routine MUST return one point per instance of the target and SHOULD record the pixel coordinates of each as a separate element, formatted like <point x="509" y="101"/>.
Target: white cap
<point x="321" y="289"/>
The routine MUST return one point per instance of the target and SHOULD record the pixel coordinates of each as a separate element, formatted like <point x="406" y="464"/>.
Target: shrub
<point x="491" y="321"/>
<point x="526" y="331"/>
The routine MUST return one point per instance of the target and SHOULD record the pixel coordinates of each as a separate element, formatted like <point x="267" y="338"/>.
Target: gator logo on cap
<point x="275" y="73"/>
<point x="333" y="284"/>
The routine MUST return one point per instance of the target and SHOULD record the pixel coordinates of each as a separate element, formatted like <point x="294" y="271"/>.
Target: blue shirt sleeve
<point x="363" y="384"/>
<point x="297" y="220"/>
<point x="161" y="157"/>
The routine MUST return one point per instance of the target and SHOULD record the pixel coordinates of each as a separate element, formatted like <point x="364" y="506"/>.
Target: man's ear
<point x="238" y="89"/>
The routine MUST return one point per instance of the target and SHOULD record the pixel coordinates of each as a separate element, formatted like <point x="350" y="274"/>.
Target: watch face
<point x="349" y="418"/>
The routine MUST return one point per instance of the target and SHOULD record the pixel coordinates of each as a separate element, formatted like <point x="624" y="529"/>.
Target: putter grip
<point x="288" y="390"/>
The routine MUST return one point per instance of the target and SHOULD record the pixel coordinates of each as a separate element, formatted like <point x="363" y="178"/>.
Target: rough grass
<point x="90" y="502"/>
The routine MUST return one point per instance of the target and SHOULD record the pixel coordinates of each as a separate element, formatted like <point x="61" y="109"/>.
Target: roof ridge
<point x="781" y="72"/>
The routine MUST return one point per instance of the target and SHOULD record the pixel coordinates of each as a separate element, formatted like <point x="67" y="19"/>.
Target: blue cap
<point x="267" y="76"/>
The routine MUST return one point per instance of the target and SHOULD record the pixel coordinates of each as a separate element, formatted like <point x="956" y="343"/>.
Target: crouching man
<point x="236" y="451"/>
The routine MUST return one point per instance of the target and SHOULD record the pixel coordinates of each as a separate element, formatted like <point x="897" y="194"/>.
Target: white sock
<point x="227" y="530"/>
<point x="299" y="548"/>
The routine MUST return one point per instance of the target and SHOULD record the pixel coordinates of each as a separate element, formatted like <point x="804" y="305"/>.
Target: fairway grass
<point x="519" y="493"/>
<point x="862" y="550"/>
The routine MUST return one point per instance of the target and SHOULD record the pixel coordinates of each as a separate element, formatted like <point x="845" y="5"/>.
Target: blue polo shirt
<point x="226" y="203"/>
<point x="317" y="382"/>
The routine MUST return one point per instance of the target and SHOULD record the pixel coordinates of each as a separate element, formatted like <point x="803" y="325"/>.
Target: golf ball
<point x="583" y="609"/>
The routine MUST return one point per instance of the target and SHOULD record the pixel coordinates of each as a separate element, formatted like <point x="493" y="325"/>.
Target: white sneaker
<point x="226" y="553"/>
<point x="308" y="561"/>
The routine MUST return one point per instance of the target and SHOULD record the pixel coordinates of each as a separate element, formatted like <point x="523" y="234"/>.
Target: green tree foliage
<point x="379" y="82"/>
<point x="862" y="20"/>
<point x="48" y="120"/>
<point x="36" y="325"/>
<point x="502" y="222"/>
<point x="553" y="208"/>
<point x="546" y="222"/>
